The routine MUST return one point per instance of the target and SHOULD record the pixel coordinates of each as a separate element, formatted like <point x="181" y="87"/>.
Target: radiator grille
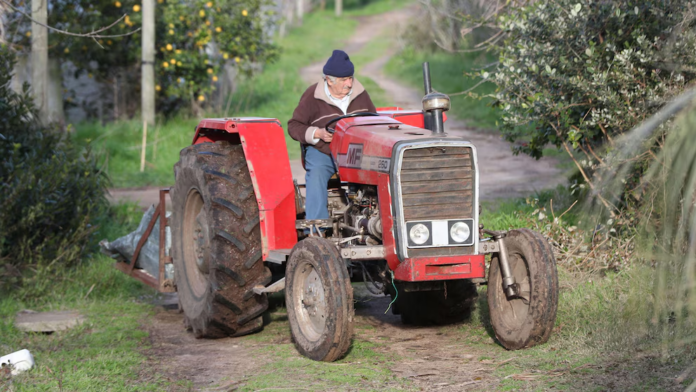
<point x="437" y="183"/>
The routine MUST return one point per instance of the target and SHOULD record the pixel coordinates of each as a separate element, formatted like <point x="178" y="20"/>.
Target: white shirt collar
<point x="328" y="93"/>
<point x="341" y="103"/>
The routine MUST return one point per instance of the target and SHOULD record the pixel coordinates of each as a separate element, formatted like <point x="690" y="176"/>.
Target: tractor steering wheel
<point x="339" y="118"/>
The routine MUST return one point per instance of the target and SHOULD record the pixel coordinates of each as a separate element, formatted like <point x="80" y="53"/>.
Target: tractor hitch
<point x="128" y="267"/>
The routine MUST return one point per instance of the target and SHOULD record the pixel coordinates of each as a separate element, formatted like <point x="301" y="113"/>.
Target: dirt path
<point x="397" y="356"/>
<point x="408" y="358"/>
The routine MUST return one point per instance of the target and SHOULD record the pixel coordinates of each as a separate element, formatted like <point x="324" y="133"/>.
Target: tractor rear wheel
<point x="216" y="242"/>
<point x="527" y="319"/>
<point x="450" y="305"/>
<point x="319" y="298"/>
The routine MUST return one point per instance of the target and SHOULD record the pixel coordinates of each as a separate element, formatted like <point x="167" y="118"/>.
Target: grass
<point x="106" y="351"/>
<point x="362" y="369"/>
<point x="603" y="333"/>
<point x="447" y="72"/>
<point x="608" y="323"/>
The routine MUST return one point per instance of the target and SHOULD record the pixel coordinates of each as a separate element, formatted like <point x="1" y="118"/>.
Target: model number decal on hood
<point x="354" y="159"/>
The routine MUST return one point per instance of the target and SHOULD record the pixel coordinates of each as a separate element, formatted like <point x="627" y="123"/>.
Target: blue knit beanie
<point x="339" y="65"/>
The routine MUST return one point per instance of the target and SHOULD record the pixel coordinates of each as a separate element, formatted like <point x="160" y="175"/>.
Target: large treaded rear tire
<point x="216" y="242"/>
<point x="527" y="320"/>
<point x="438" y="307"/>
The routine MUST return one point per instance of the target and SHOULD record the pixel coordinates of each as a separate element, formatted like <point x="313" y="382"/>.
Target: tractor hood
<point x="362" y="146"/>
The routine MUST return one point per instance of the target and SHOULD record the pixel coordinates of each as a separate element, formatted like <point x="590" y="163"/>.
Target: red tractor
<point x="404" y="213"/>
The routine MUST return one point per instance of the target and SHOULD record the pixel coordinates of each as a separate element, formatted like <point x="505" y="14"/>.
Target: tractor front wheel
<point x="216" y="242"/>
<point x="526" y="319"/>
<point x="319" y="299"/>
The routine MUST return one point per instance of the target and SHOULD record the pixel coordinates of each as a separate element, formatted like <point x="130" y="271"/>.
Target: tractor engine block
<point x="362" y="214"/>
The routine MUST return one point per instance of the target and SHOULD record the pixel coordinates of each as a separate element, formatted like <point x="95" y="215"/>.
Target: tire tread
<point x="219" y="172"/>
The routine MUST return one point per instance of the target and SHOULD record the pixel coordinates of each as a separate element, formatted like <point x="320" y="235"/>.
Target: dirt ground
<point x="388" y="355"/>
<point x="405" y="358"/>
<point x="420" y="358"/>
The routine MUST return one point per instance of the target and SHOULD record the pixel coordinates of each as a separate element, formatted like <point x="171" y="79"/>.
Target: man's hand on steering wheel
<point x="329" y="124"/>
<point x="323" y="135"/>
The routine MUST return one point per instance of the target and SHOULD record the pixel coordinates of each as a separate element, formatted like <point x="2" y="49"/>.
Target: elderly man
<point x="336" y="95"/>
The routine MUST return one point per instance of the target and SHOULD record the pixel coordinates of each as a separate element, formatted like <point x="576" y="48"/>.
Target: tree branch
<point x="470" y="89"/>
<point x="608" y="205"/>
<point x="93" y="34"/>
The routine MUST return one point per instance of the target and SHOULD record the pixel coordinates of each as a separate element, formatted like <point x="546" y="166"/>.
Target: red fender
<point x="263" y="141"/>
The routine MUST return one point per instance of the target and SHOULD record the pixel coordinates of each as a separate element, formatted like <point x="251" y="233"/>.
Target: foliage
<point x="50" y="191"/>
<point x="204" y="36"/>
<point x="578" y="72"/>
<point x="662" y="213"/>
<point x="195" y="40"/>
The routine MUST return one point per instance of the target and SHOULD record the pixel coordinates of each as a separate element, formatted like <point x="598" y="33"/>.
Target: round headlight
<point x="419" y="234"/>
<point x="460" y="232"/>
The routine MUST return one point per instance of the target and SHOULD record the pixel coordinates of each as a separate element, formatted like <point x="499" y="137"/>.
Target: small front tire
<point x="319" y="298"/>
<point x="527" y="319"/>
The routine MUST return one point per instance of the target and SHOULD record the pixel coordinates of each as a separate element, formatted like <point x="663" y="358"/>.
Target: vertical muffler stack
<point x="434" y="105"/>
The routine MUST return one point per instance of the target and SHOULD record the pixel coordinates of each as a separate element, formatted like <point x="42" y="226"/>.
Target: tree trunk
<point x="39" y="57"/>
<point x="339" y="7"/>
<point x="299" y="8"/>
<point x="54" y="92"/>
<point x="117" y="114"/>
<point x="147" y="78"/>
<point x="3" y="10"/>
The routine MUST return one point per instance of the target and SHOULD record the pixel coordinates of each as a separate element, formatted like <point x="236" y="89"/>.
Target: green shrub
<point x="50" y="191"/>
<point x="577" y="72"/>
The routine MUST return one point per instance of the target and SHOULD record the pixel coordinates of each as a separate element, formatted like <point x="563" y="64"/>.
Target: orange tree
<point x="200" y="36"/>
<point x="194" y="40"/>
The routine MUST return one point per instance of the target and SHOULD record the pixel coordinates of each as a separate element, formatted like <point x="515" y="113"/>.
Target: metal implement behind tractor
<point x="404" y="213"/>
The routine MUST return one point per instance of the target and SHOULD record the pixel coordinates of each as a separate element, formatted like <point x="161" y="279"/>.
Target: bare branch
<point x="469" y="90"/>
<point x="489" y="39"/>
<point x="94" y="34"/>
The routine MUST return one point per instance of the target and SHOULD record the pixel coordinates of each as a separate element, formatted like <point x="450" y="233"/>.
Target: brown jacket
<point x="316" y="109"/>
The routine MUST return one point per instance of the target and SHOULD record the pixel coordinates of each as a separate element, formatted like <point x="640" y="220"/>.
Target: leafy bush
<point x="578" y="72"/>
<point x="49" y="193"/>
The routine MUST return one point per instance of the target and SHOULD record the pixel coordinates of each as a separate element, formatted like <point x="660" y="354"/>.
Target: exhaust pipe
<point x="426" y="78"/>
<point x="434" y="105"/>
